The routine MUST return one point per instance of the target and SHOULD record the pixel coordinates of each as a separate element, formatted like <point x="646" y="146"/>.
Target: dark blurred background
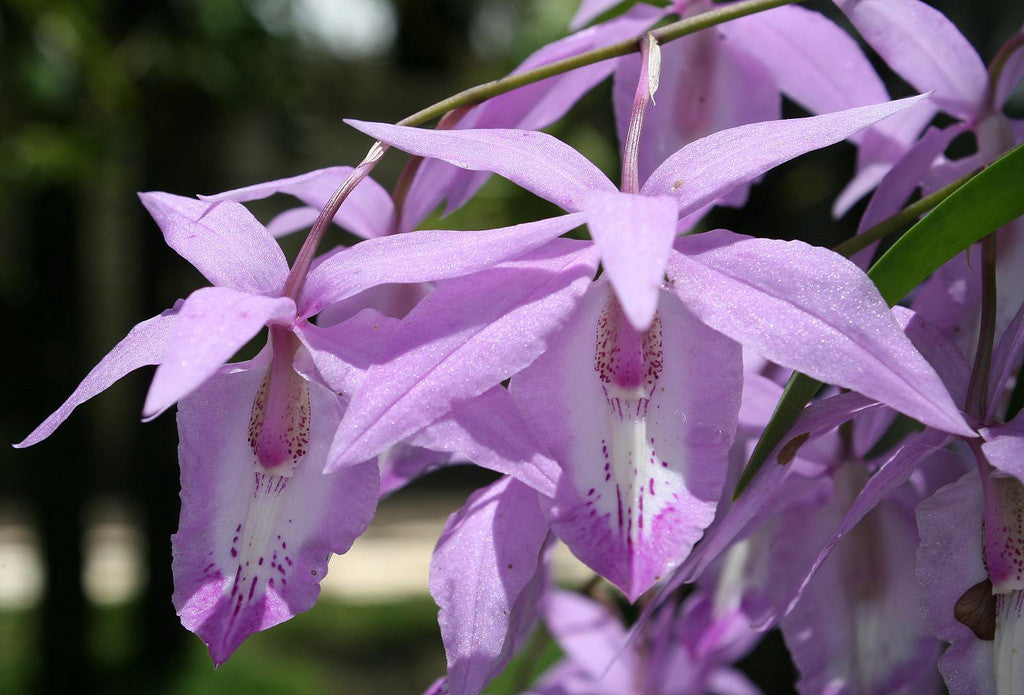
<point x="102" y="99"/>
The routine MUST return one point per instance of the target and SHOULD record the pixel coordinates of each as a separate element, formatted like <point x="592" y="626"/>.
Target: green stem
<point x="901" y="219"/>
<point x="662" y="35"/>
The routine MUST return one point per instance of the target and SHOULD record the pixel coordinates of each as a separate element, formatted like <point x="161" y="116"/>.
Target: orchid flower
<point x="610" y="518"/>
<point x="250" y="477"/>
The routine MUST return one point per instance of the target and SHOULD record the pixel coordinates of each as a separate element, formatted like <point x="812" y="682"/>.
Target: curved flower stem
<point x="906" y="216"/>
<point x="661" y="35"/>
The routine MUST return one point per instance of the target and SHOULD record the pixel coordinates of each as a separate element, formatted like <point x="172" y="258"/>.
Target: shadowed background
<point x="102" y="99"/>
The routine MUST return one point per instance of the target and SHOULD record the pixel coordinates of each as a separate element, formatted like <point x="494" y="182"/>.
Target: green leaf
<point x="990" y="200"/>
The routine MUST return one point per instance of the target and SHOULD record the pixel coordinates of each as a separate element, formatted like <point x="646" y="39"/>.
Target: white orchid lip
<point x="280" y="420"/>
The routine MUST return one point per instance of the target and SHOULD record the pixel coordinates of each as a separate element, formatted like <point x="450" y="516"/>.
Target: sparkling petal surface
<point x="712" y="166"/>
<point x="634" y="235"/>
<point x="222" y="240"/>
<point x="422" y="256"/>
<point x="809" y="309"/>
<point x="468" y="335"/>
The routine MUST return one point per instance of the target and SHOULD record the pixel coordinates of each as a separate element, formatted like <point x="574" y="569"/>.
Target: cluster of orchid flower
<point x="619" y="382"/>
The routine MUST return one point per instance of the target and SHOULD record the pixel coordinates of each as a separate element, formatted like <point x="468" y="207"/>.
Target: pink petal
<point x="212" y="325"/>
<point x="634" y="235"/>
<point x="536" y="161"/>
<point x="490" y="431"/>
<point x="251" y="548"/>
<point x="422" y="256"/>
<point x="949" y="563"/>
<point x="589" y="10"/>
<point x="594" y="639"/>
<point x="146" y="343"/>
<point x="367" y="211"/>
<point x="641" y="430"/>
<point x="707" y="84"/>
<point x="925" y="48"/>
<point x="712" y="166"/>
<point x="809" y="309"/>
<point x="468" y="335"/>
<point x="532" y="107"/>
<point x="222" y="240"/>
<point x="487" y="562"/>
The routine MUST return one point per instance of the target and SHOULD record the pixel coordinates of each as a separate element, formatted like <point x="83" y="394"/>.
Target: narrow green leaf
<point x="991" y="199"/>
<point x="988" y="201"/>
<point x="799" y="390"/>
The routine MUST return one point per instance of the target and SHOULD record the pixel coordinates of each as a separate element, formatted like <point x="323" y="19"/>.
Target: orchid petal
<point x="222" y="240"/>
<point x="343" y="352"/>
<point x="251" y="548"/>
<point x="487" y="558"/>
<point x="531" y="107"/>
<point x="145" y="344"/>
<point x="811" y="310"/>
<point x="536" y="161"/>
<point x="857" y="621"/>
<point x="707" y="84"/>
<point x="367" y="211"/>
<point x="468" y="335"/>
<point x="634" y="235"/>
<point x="641" y="431"/>
<point x="490" y="431"/>
<point x="212" y="325"/>
<point x="1010" y="77"/>
<point x="925" y="48"/>
<point x="594" y="640"/>
<point x="712" y="166"/>
<point x="949" y="564"/>
<point x="812" y="60"/>
<point x="422" y="256"/>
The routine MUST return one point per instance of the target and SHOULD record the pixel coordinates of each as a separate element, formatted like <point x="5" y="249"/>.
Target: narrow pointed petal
<point x="212" y="325"/>
<point x="925" y="48"/>
<point x="707" y="84"/>
<point x="367" y="211"/>
<point x="423" y="256"/>
<point x="809" y="309"/>
<point x="949" y="565"/>
<point x="145" y="344"/>
<point x="487" y="561"/>
<point x="536" y="161"/>
<point x="222" y="240"/>
<point x="468" y="335"/>
<point x="641" y="429"/>
<point x="343" y="352"/>
<point x="634" y="235"/>
<point x="711" y="167"/>
<point x="251" y="548"/>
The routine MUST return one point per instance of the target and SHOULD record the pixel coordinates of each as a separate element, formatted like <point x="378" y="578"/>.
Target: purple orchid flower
<point x="732" y="283"/>
<point x="257" y="521"/>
